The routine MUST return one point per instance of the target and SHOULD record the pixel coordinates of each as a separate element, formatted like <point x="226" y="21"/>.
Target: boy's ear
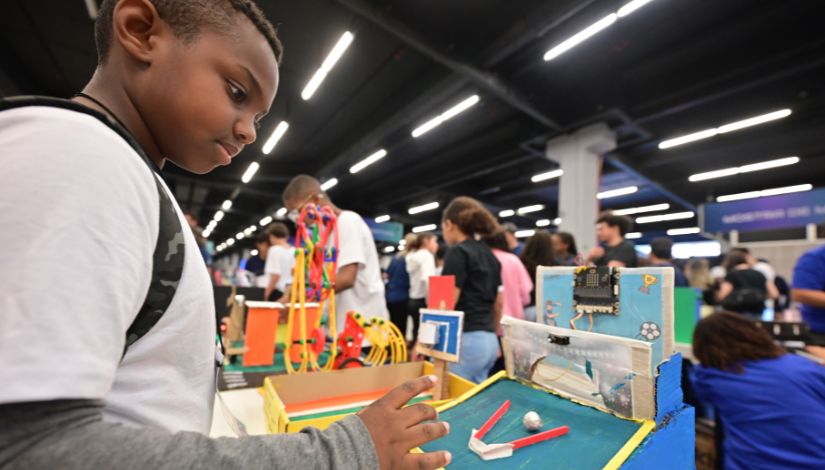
<point x="134" y="24"/>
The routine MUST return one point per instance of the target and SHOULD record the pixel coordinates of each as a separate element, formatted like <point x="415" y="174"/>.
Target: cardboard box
<point x="281" y="391"/>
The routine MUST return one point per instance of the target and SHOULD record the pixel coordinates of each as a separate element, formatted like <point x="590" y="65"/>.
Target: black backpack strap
<point x="168" y="257"/>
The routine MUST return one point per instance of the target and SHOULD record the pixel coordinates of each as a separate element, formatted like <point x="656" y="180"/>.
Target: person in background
<point x="538" y="251"/>
<point x="615" y="250"/>
<point x="420" y="266"/>
<point x="197" y="230"/>
<point x="280" y="260"/>
<point x="697" y="272"/>
<point x="514" y="277"/>
<point x="767" y="401"/>
<point x="398" y="286"/>
<point x="256" y="263"/>
<point x="358" y="283"/>
<point x="477" y="284"/>
<point x="513" y="243"/>
<point x="760" y="265"/>
<point x="439" y="258"/>
<point x="808" y="288"/>
<point x="744" y="289"/>
<point x="564" y="246"/>
<point x="661" y="256"/>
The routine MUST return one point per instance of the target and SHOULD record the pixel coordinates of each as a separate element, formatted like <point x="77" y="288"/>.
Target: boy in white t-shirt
<point x="81" y="212"/>
<point x="358" y="282"/>
<point x="279" y="263"/>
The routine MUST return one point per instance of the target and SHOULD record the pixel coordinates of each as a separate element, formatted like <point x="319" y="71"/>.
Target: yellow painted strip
<point x="475" y="391"/>
<point x="630" y="446"/>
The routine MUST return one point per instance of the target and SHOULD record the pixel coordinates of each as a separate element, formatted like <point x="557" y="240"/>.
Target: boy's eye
<point x="236" y="93"/>
<point x="257" y="125"/>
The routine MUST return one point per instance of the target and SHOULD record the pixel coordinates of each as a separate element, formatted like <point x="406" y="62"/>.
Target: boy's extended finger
<point x="414" y="414"/>
<point x="427" y="461"/>
<point x="400" y="395"/>
<point x="423" y="433"/>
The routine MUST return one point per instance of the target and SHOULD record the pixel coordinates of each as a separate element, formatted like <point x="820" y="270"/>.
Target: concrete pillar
<point x="580" y="157"/>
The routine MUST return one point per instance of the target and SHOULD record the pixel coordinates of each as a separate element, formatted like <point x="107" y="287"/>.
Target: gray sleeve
<point x="71" y="435"/>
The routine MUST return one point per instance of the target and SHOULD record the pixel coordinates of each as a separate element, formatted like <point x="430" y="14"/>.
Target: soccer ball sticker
<point x="650" y="331"/>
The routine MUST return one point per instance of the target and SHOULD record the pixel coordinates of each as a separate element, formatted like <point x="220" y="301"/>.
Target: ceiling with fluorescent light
<point x="671" y="68"/>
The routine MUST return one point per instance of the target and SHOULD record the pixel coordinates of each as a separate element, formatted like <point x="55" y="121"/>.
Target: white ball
<point x="532" y="421"/>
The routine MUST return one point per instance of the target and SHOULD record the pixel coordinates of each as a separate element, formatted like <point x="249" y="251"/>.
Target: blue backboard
<point x="448" y="325"/>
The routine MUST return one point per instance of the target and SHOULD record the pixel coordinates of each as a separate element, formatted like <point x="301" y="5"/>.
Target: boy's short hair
<point x="623" y="222"/>
<point x="277" y="230"/>
<point x="662" y="247"/>
<point x="300" y="188"/>
<point x="187" y="18"/>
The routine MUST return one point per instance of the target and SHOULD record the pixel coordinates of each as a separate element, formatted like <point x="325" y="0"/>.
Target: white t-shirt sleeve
<point x="79" y="213"/>
<point x="273" y="262"/>
<point x="351" y="240"/>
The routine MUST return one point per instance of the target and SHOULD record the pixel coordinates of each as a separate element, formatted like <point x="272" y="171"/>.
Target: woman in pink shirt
<point x="514" y="277"/>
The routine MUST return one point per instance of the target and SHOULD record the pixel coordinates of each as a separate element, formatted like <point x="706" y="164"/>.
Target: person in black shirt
<point x="744" y="289"/>
<point x="478" y="284"/>
<point x="615" y="250"/>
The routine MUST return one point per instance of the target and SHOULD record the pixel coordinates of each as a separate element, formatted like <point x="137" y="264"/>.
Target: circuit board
<point x="596" y="290"/>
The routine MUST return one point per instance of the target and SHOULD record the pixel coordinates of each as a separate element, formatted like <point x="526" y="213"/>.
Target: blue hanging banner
<point x="390" y="232"/>
<point x="764" y="213"/>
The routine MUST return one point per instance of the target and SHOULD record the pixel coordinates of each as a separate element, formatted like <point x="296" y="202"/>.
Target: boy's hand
<point x="396" y="430"/>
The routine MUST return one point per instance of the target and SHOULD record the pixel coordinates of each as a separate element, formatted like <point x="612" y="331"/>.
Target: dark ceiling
<point x="670" y="68"/>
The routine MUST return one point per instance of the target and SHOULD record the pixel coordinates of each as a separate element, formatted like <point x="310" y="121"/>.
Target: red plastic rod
<point x="542" y="436"/>
<point x="493" y="420"/>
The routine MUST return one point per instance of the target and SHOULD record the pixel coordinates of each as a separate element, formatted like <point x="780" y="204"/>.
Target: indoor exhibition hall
<point x="412" y="234"/>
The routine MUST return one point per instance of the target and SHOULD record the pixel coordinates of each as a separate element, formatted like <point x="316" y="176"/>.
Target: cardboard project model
<point x="604" y="381"/>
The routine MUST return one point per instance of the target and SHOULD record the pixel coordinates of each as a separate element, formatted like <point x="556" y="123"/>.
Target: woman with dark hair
<point x="538" y="251"/>
<point x="744" y="289"/>
<point x="768" y="401"/>
<point x="477" y="284"/>
<point x="564" y="247"/>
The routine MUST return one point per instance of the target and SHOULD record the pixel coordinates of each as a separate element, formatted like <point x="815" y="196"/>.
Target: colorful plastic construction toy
<point x="316" y="262"/>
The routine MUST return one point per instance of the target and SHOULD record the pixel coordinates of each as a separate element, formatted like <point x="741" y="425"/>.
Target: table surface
<point x="594" y="437"/>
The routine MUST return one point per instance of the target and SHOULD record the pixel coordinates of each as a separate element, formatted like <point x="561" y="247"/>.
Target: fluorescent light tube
<point x="641" y="209"/>
<point x="765" y="192"/>
<point x="617" y="192"/>
<point x="424" y="228"/>
<point x="368" y="161"/>
<point x="546" y="176"/>
<point x="683" y="231"/>
<point x="744" y="169"/>
<point x="273" y="139"/>
<point x="580" y="37"/>
<point x="452" y="112"/>
<point x="529" y="209"/>
<point x="661" y="218"/>
<point x="525" y="233"/>
<point x="423" y="208"/>
<point x="320" y="74"/>
<point x="329" y="184"/>
<point x="250" y="172"/>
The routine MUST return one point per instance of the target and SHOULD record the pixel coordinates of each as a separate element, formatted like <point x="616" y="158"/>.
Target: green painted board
<point x="594" y="437"/>
<point x="686" y="302"/>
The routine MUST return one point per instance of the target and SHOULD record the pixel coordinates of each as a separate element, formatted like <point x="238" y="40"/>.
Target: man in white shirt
<point x="358" y="283"/>
<point x="279" y="263"/>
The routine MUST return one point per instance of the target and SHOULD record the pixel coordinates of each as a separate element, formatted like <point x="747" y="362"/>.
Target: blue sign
<point x="449" y="326"/>
<point x="764" y="213"/>
<point x="390" y="232"/>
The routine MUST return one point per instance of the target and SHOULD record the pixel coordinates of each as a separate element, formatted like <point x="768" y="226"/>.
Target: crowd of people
<point x="495" y="275"/>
